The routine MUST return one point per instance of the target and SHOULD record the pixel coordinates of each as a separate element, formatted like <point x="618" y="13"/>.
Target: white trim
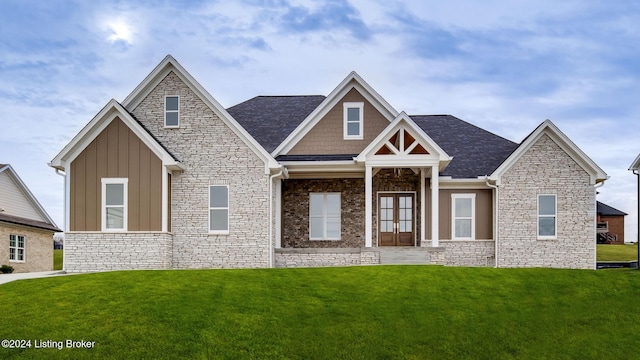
<point x="548" y="128"/>
<point x="278" y="230"/>
<point x="368" y="207"/>
<point x="209" y="207"/>
<point x="325" y="216"/>
<point x="352" y="81"/>
<point x="171" y="111"/>
<point x="24" y="248"/>
<point x="455" y="197"/>
<point x="423" y="201"/>
<point x="165" y="200"/>
<point x="554" y="216"/>
<point x="125" y="205"/>
<point x="435" y="206"/>
<point x="345" y="114"/>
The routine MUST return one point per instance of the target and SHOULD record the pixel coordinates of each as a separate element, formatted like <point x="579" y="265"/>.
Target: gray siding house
<point x="168" y="178"/>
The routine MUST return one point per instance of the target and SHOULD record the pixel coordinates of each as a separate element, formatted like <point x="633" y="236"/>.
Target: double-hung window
<point x="114" y="204"/>
<point x="172" y="111"/>
<point x="353" y="120"/>
<point x="219" y="209"/>
<point x="463" y="216"/>
<point x="547" y="215"/>
<point x="324" y="216"/>
<point x="16" y="248"/>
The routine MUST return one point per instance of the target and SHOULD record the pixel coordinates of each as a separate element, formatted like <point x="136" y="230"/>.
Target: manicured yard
<point x="57" y="259"/>
<point x="390" y="312"/>
<point x="625" y="252"/>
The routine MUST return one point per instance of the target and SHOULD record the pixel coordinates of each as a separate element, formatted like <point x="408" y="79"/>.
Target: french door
<point x="396" y="219"/>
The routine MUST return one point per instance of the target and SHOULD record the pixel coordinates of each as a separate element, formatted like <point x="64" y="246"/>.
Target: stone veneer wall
<point x="318" y="257"/>
<point x="95" y="251"/>
<point x="38" y="248"/>
<point x="546" y="169"/>
<point x="464" y="253"/>
<point x="212" y="155"/>
<point x="295" y="212"/>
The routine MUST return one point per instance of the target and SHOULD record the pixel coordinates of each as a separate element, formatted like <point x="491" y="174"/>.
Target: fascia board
<point x="353" y="80"/>
<point x="635" y="165"/>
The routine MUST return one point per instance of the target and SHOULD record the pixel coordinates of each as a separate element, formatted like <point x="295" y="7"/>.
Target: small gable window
<point x="114" y="204"/>
<point x="172" y="111"/>
<point x="353" y="120"/>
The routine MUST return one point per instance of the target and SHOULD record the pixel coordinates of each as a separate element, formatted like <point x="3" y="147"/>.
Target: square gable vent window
<point x="172" y="111"/>
<point x="353" y="120"/>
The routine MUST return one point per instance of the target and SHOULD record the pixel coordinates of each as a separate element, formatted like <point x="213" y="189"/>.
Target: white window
<point x="172" y="111"/>
<point x="547" y="213"/>
<point x="219" y="209"/>
<point x="463" y="225"/>
<point x="114" y="204"/>
<point x="353" y="120"/>
<point x="324" y="216"/>
<point x="16" y="248"/>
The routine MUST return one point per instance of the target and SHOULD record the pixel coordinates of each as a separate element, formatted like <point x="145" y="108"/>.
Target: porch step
<point x="402" y="256"/>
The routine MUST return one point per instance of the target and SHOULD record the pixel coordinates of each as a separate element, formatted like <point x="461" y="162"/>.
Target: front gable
<point x="548" y="133"/>
<point x="327" y="136"/>
<point x="323" y="132"/>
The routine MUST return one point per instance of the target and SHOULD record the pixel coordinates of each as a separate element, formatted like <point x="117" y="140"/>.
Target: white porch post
<point x="435" y="201"/>
<point x="165" y="200"/>
<point x="278" y="225"/>
<point x="423" y="211"/>
<point x="368" y="206"/>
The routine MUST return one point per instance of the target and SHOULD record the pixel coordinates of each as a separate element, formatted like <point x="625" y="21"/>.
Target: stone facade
<point x="38" y="248"/>
<point x="295" y="212"/>
<point x="318" y="257"/>
<point x="96" y="251"/>
<point x="546" y="169"/>
<point x="212" y="155"/>
<point x="464" y="253"/>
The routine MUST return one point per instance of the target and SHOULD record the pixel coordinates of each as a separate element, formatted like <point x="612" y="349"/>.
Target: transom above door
<point x="396" y="219"/>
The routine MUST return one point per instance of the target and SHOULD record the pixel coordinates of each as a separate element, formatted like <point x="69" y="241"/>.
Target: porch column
<point x="423" y="211"/>
<point x="368" y="206"/>
<point x="278" y="214"/>
<point x="435" y="201"/>
<point x="165" y="200"/>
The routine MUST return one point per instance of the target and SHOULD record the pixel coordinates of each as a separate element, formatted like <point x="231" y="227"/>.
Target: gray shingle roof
<point x="270" y="119"/>
<point x="28" y="222"/>
<point x="476" y="152"/>
<point x="606" y="210"/>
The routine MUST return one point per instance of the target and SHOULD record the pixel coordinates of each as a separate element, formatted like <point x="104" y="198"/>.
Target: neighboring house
<point x="610" y="224"/>
<point x="26" y="230"/>
<point x="168" y="178"/>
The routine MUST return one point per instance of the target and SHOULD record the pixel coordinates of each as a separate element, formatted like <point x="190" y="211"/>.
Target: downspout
<point x="595" y="224"/>
<point x="638" y="235"/>
<point x="496" y="212"/>
<point x="64" y="216"/>
<point x="271" y="215"/>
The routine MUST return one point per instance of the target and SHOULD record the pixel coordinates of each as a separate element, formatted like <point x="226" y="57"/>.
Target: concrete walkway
<point x="5" y="278"/>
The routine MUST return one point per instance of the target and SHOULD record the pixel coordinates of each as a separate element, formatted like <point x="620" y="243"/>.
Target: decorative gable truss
<point x="404" y="144"/>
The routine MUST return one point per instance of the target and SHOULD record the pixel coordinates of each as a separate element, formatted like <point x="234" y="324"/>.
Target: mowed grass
<point x="375" y="312"/>
<point x="57" y="259"/>
<point x="625" y="252"/>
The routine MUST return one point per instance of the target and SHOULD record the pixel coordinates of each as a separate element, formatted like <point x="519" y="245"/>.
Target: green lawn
<point x="617" y="252"/>
<point x="57" y="259"/>
<point x="368" y="312"/>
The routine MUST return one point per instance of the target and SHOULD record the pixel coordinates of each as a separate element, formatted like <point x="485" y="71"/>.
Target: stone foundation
<point x="464" y="253"/>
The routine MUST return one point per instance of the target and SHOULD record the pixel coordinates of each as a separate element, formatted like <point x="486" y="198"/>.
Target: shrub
<point x="6" y="269"/>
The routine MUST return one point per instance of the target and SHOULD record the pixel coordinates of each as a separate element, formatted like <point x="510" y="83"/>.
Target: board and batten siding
<point x="116" y="153"/>
<point x="327" y="136"/>
<point x="484" y="213"/>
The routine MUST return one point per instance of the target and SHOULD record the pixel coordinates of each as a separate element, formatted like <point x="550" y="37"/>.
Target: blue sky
<point x="505" y="66"/>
